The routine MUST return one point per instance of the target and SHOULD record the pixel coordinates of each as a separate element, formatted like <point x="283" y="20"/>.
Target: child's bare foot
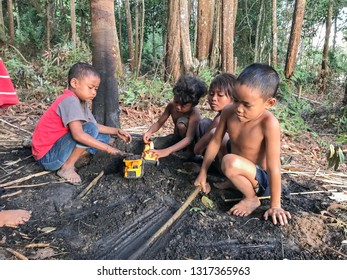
<point x="245" y="207"/>
<point x="70" y="175"/>
<point x="207" y="188"/>
<point x="13" y="218"/>
<point x="223" y="185"/>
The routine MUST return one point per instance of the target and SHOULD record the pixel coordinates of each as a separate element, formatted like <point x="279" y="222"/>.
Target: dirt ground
<point x="118" y="217"/>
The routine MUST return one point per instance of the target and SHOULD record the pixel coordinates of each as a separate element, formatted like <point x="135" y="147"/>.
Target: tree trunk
<point x="2" y="24"/>
<point x="205" y="23"/>
<point x="105" y="104"/>
<point x="257" y="33"/>
<point x="142" y="33"/>
<point x="228" y="21"/>
<point x="344" y="101"/>
<point x="274" y="34"/>
<point x="48" y="26"/>
<point x="325" y="68"/>
<point x="185" y="38"/>
<point x="118" y="56"/>
<point x="130" y="35"/>
<point x="216" y="49"/>
<point x="120" y="29"/>
<point x="294" y="39"/>
<point x="73" y="23"/>
<point x="137" y="40"/>
<point x="173" y="43"/>
<point x="10" y="21"/>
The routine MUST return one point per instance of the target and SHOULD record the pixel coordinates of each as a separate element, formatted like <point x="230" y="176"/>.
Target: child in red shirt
<point x="68" y="129"/>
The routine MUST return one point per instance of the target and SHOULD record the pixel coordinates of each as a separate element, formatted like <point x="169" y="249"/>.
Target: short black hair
<point x="224" y="82"/>
<point x="189" y="89"/>
<point x="261" y="76"/>
<point x="81" y="69"/>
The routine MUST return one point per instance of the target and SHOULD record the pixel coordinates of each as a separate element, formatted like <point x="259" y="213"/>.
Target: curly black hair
<point x="189" y="89"/>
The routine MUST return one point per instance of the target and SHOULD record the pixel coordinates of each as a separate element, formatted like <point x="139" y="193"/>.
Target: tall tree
<point x="130" y="35"/>
<point x="48" y="25"/>
<point x="258" y="33"/>
<point x="205" y="24"/>
<point x="325" y="69"/>
<point x="229" y="11"/>
<point x="215" y="51"/>
<point x="294" y="40"/>
<point x="173" y="42"/>
<point x="274" y="34"/>
<point x="106" y="103"/>
<point x="73" y="23"/>
<point x="185" y="37"/>
<point x="2" y="24"/>
<point x="10" y="20"/>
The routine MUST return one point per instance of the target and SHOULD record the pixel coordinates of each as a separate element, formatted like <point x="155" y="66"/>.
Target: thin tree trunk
<point x="2" y="24"/>
<point x="105" y="104"/>
<point x="48" y="26"/>
<point x="10" y="21"/>
<point x="185" y="38"/>
<point x="142" y="33"/>
<point x="137" y="40"/>
<point x="257" y="33"/>
<point x="325" y="68"/>
<point x="117" y="54"/>
<point x="73" y="23"/>
<point x="215" y="52"/>
<point x="294" y="39"/>
<point x="274" y="33"/>
<point x="130" y="35"/>
<point x="120" y="29"/>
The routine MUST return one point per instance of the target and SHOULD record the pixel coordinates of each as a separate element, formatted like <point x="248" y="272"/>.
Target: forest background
<point x="142" y="47"/>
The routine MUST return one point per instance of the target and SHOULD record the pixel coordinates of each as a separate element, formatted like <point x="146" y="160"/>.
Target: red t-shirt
<point x="54" y="122"/>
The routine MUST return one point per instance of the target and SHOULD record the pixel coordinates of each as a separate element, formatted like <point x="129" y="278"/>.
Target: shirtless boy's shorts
<point x="263" y="187"/>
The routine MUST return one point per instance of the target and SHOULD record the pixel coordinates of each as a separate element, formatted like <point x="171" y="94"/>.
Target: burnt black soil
<point x="116" y="218"/>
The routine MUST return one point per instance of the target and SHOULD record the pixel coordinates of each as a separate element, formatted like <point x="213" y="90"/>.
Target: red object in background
<point x="8" y="95"/>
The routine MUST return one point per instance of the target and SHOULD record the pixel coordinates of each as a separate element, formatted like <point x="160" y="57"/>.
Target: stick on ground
<point x="87" y="189"/>
<point x="175" y="216"/>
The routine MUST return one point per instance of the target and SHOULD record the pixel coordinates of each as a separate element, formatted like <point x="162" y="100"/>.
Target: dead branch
<point x="25" y="178"/>
<point x="29" y="186"/>
<point x="10" y="194"/>
<point x="36" y="245"/>
<point x="16" y="254"/>
<point x="240" y="198"/>
<point x="159" y="232"/>
<point x="93" y="183"/>
<point x="312" y="192"/>
<point x="16" y="127"/>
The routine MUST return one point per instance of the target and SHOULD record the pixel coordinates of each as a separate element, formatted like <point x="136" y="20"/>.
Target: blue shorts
<point x="263" y="187"/>
<point x="62" y="149"/>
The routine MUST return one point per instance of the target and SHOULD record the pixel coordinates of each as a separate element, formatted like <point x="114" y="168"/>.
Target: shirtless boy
<point x="185" y="115"/>
<point x="68" y="130"/>
<point x="253" y="166"/>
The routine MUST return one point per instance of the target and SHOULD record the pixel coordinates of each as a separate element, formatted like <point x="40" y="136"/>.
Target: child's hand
<point x="116" y="152"/>
<point x="146" y="137"/>
<point x="200" y="181"/>
<point x="160" y="153"/>
<point x="277" y="214"/>
<point x="125" y="136"/>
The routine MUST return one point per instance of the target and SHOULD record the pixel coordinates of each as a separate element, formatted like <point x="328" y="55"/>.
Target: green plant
<point x="335" y="156"/>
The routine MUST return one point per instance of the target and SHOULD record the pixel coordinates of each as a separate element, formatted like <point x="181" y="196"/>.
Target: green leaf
<point x="207" y="202"/>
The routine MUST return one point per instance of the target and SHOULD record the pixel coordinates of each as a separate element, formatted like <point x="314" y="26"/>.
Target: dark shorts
<point x="263" y="187"/>
<point x="202" y="128"/>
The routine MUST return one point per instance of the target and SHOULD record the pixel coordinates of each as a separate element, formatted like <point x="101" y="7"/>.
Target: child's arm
<point x="125" y="136"/>
<point x="212" y="150"/>
<point x="273" y="166"/>
<point x="201" y="145"/>
<point x="84" y="138"/>
<point x="192" y="125"/>
<point x="160" y="122"/>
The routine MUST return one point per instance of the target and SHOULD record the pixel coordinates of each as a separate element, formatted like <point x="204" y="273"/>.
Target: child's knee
<point x="231" y="164"/>
<point x="91" y="129"/>
<point x="181" y="129"/>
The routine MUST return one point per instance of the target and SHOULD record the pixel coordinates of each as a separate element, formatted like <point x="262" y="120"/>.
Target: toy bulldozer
<point x="134" y="167"/>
